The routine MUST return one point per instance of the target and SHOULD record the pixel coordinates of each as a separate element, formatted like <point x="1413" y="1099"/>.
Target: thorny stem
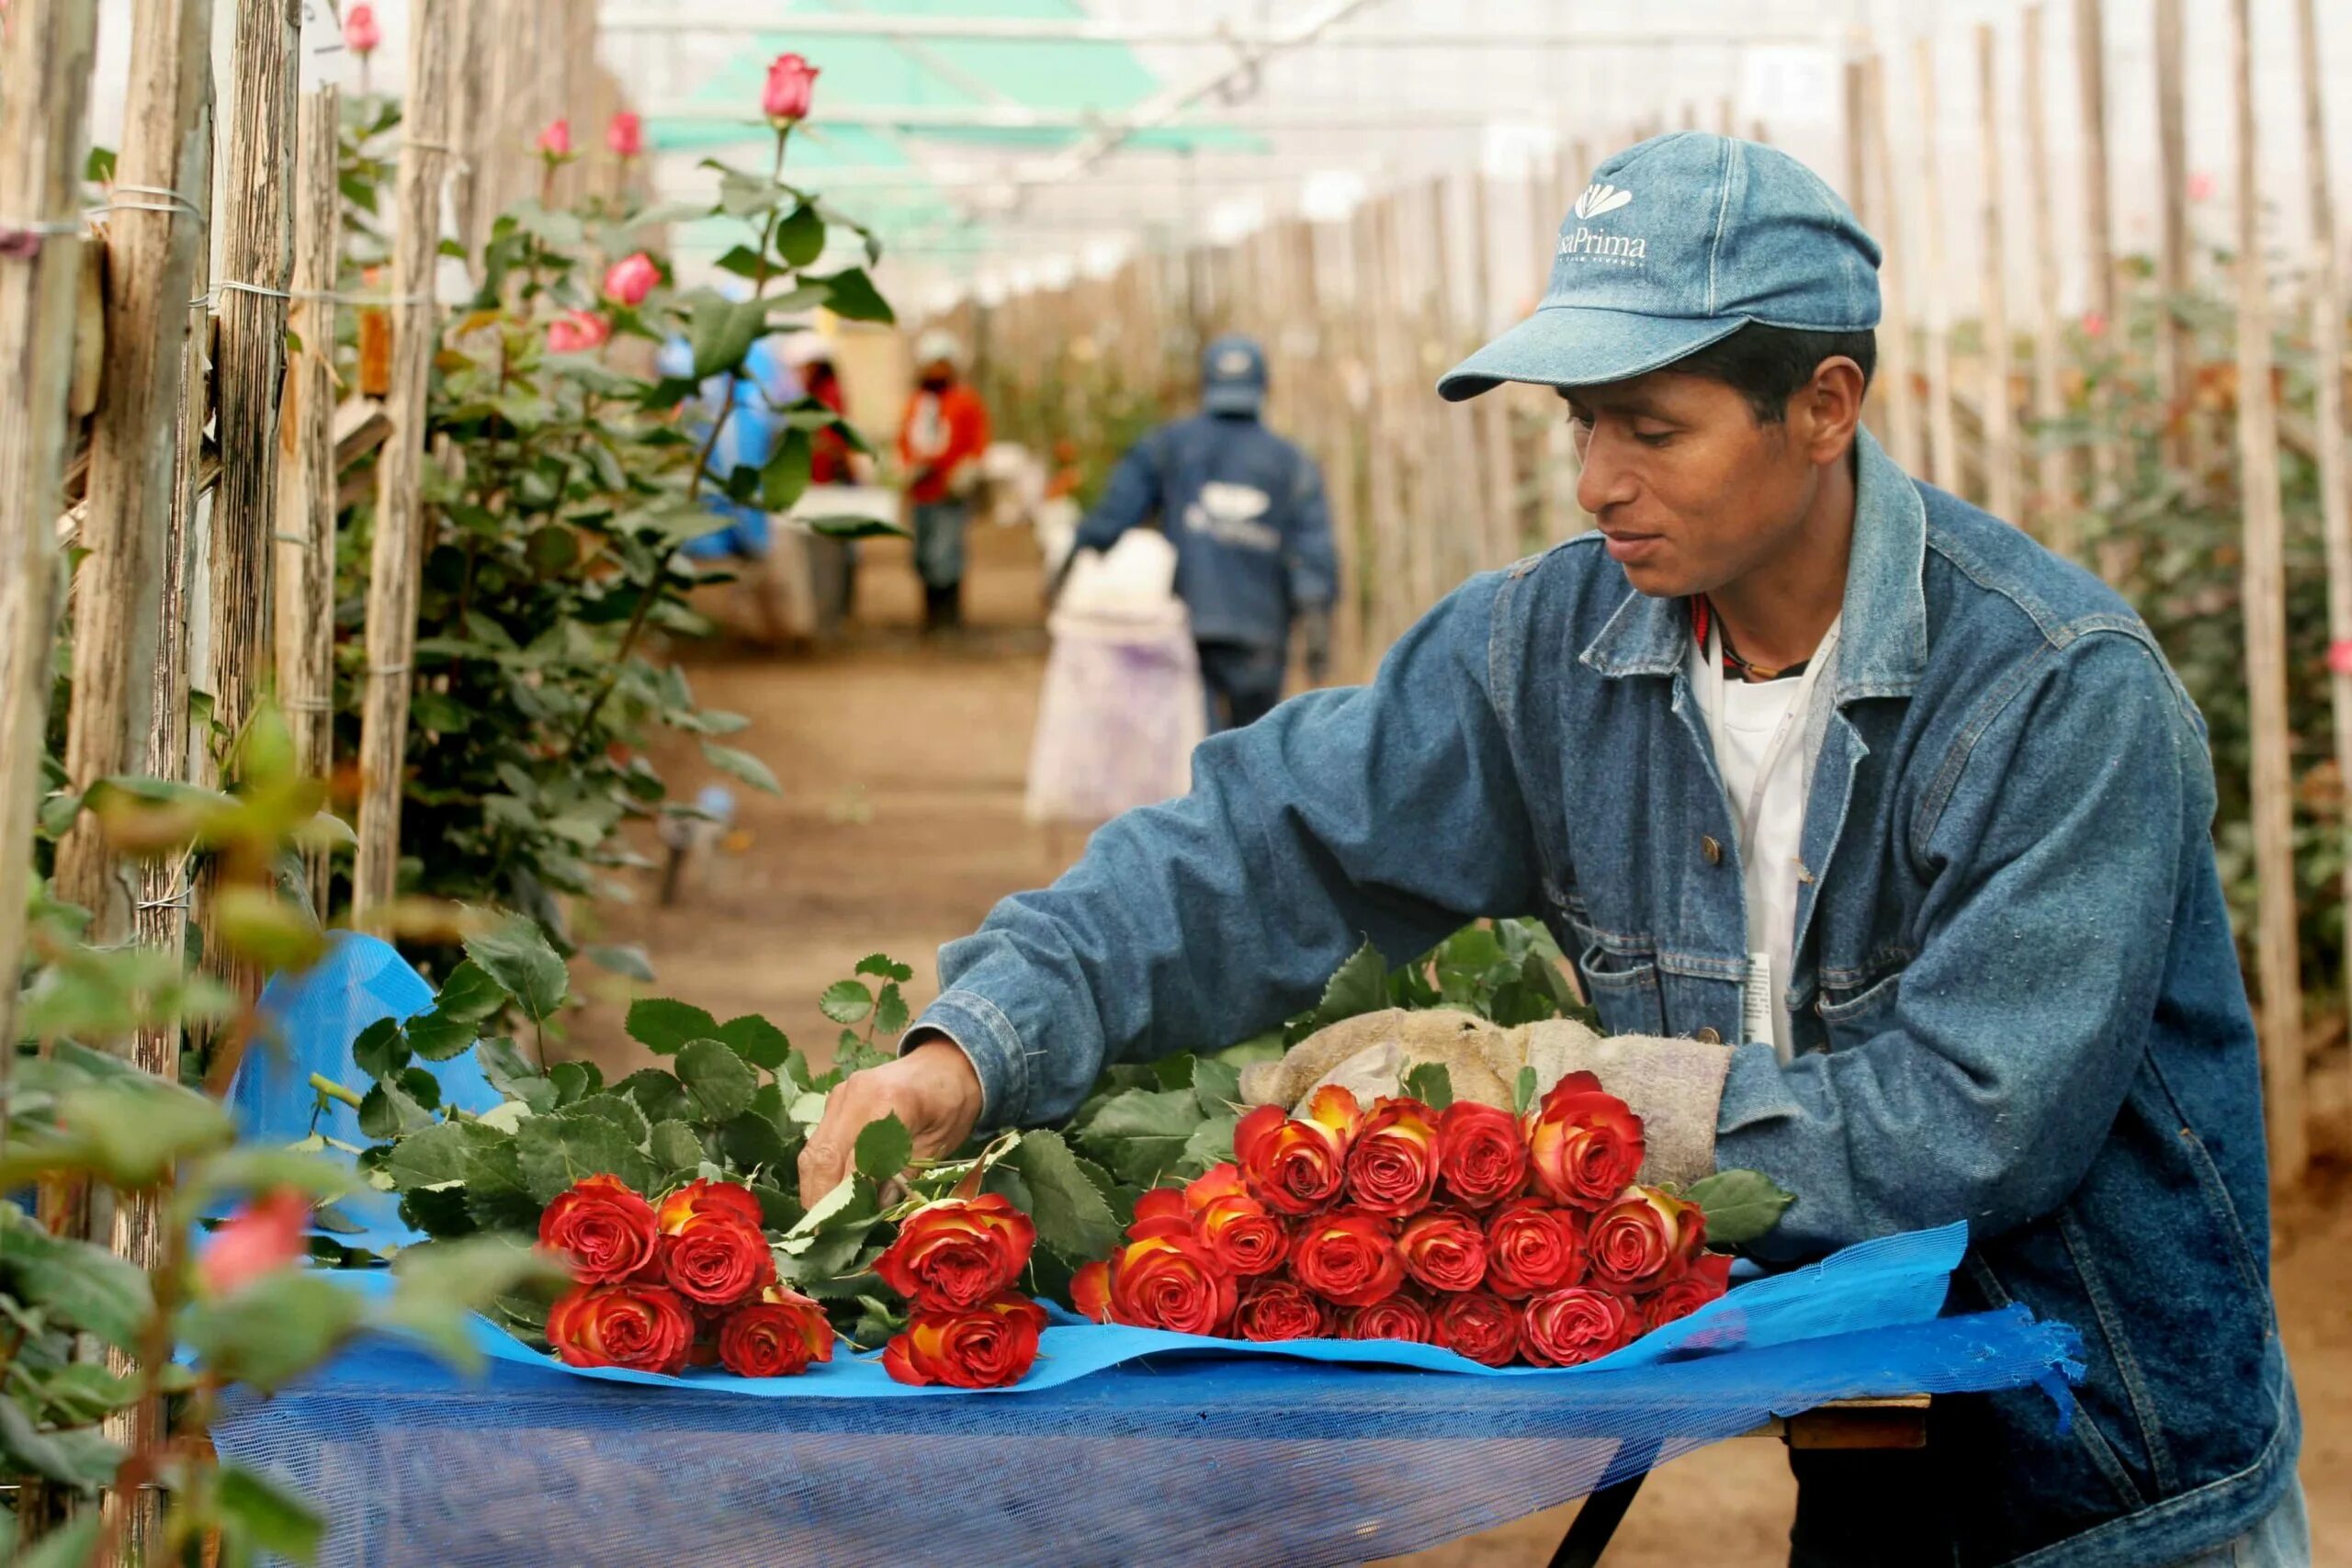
<point x="759" y="290"/>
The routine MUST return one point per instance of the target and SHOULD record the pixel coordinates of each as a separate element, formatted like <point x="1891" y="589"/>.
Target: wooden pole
<point x="1943" y="449"/>
<point x="1502" y="542"/>
<point x="394" y="566"/>
<point x="2264" y="590"/>
<point x="1375" y="314"/>
<point x="2098" y="223"/>
<point x="306" y="475"/>
<point x="1895" y="379"/>
<point x="2054" y="502"/>
<point x="44" y="121"/>
<point x="2000" y="441"/>
<point x="1857" y="148"/>
<point x="2327" y="347"/>
<point x="1551" y="442"/>
<point x="2175" y="344"/>
<point x="152" y="243"/>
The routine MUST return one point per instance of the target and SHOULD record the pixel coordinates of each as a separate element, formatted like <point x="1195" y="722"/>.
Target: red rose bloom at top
<point x="717" y="1260"/>
<point x="1480" y="1156"/>
<point x="631" y="279"/>
<point x="984" y="1346"/>
<point x="1570" y="1327"/>
<point x="704" y="1198"/>
<point x="1532" y="1247"/>
<point x="625" y="135"/>
<point x="791" y="83"/>
<point x="1297" y="1167"/>
<point x="1392" y="1165"/>
<point x="1644" y="1239"/>
<point x="1347" y="1258"/>
<point x="776" y="1337"/>
<point x="1170" y="1281"/>
<point x="606" y="1231"/>
<point x="1585" y="1145"/>
<point x="1708" y="1277"/>
<point x="958" y="1252"/>
<point x="645" y="1327"/>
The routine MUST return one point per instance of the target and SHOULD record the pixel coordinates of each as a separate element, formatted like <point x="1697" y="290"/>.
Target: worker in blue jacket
<point x="1246" y="511"/>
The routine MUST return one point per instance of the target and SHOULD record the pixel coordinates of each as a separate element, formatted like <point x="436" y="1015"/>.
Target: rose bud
<point x="776" y="1337"/>
<point x="1280" y="1309"/>
<point x="1566" y="1328"/>
<point x="1444" y="1250"/>
<point x="986" y="1346"/>
<point x="1532" y="1247"/>
<point x="717" y="1260"/>
<point x="631" y="279"/>
<point x="555" y="142"/>
<point x="625" y="135"/>
<point x="1401" y="1316"/>
<point x="958" y="1252"/>
<point x="1707" y="1278"/>
<point x="1089" y="1292"/>
<point x="578" y="332"/>
<point x="1297" y="1167"/>
<point x="1643" y="1240"/>
<point x="644" y="1326"/>
<point x="1160" y="1212"/>
<point x="1172" y="1283"/>
<point x="1392" y="1165"/>
<point x="361" y="35"/>
<point x="1583" y="1142"/>
<point x="1347" y="1258"/>
<point x="706" y="1198"/>
<point x="1481" y="1158"/>
<point x="603" y="1229"/>
<point x="1245" y="1236"/>
<point x="1479" y="1324"/>
<point x="792" y="82"/>
<point x="263" y="1235"/>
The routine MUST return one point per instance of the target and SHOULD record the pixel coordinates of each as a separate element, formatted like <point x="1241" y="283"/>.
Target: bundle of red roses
<point x="690" y="1280"/>
<point x="955" y="1262"/>
<point x="1496" y="1236"/>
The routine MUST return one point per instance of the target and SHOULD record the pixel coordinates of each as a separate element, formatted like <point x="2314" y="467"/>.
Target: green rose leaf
<point x="883" y="1149"/>
<point x="440" y="1212"/>
<point x="1070" y="1214"/>
<point x="496" y="1194"/>
<point x="1522" y="1091"/>
<point x="846" y="1001"/>
<point x="1142" y="1133"/>
<point x="742" y="765"/>
<point x="661" y="1025"/>
<point x="659" y="1094"/>
<point x="1211" y="1145"/>
<point x="518" y="956"/>
<point x="674" y="1146"/>
<point x="557" y="1150"/>
<point x="76" y="1283"/>
<point x="719" y="1084"/>
<point x="436" y="1286"/>
<point x="387" y="1109"/>
<point x="852" y="526"/>
<point x="574" y="1080"/>
<point x="436" y="1038"/>
<point x="1359" y="986"/>
<point x="883" y="967"/>
<point x="890" y="1014"/>
<point x="261" y="1516"/>
<point x="721" y="333"/>
<point x="442" y="1152"/>
<point x="851" y="295"/>
<point x="80" y="1459"/>
<point x="1431" y="1084"/>
<point x="755" y="1040"/>
<point x="471" y="993"/>
<point x="784" y="476"/>
<point x="1740" y="1205"/>
<point x="800" y="236"/>
<point x="627" y="960"/>
<point x="1216" y="1085"/>
<point x="616" y="1109"/>
<point x="511" y="1076"/>
<point x="380" y="1050"/>
<point x="273" y="1330"/>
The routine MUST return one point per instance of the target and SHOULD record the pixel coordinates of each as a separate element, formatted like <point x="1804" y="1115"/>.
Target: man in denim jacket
<point x="2005" y="991"/>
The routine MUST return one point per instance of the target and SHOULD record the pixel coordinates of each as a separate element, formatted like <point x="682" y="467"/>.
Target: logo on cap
<point x="1234" y="362"/>
<point x="1599" y="198"/>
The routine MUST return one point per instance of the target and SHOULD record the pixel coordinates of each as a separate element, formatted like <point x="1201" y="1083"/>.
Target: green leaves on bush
<point x="1740" y="1205"/>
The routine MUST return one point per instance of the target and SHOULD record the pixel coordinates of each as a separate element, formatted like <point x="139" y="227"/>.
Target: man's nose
<point x="1604" y="481"/>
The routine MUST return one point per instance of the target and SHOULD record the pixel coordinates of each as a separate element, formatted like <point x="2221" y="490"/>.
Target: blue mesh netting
<point x="1123" y="1445"/>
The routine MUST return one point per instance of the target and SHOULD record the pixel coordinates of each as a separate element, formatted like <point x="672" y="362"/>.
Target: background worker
<point x="941" y="440"/>
<point x="1252" y="531"/>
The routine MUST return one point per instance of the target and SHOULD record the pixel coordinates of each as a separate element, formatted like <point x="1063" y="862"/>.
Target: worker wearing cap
<point x="1880" y="838"/>
<point x="940" y="441"/>
<point x="1246" y="511"/>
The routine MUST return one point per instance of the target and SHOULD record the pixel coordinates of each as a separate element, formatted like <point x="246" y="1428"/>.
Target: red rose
<point x="607" y="1231"/>
<point x="1217" y="1181"/>
<point x="644" y="1326"/>
<point x="1296" y="1167"/>
<point x="1644" y="1239"/>
<point x="791" y="83"/>
<point x="1707" y="1278"/>
<point x="1170" y="1281"/>
<point x="776" y="1337"/>
<point x="1160" y="1212"/>
<point x="1089" y="1292"/>
<point x="1347" y="1258"/>
<point x="1584" y="1144"/>
<point x="958" y="1252"/>
<point x="986" y="1346"/>
<point x="1480" y="1325"/>
<point x="1480" y="1156"/>
<point x="1245" y="1238"/>
<point x="1392" y="1165"/>
<point x="1566" y="1328"/>
<point x="631" y="279"/>
<point x="1444" y="1250"/>
<point x="1401" y="1316"/>
<point x="266" y="1233"/>
<point x="1532" y="1247"/>
<point x="717" y="1260"/>
<point x="701" y="1197"/>
<point x="1280" y="1309"/>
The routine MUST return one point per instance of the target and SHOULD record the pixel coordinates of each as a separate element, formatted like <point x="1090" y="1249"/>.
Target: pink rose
<point x="577" y="332"/>
<point x="2094" y="325"/>
<point x="361" y="35"/>
<point x="556" y="139"/>
<point x="2200" y="186"/>
<point x="631" y="279"/>
<point x="263" y="1235"/>
<point x="792" y="81"/>
<point x="2339" y="658"/>
<point x="625" y="135"/>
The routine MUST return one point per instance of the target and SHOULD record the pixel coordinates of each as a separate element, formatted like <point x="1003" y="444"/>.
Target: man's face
<point x="1690" y="489"/>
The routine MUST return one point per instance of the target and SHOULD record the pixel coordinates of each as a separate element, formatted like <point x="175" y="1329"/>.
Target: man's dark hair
<point x="1767" y="364"/>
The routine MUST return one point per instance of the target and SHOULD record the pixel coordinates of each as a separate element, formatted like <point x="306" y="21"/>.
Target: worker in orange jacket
<point x="940" y="441"/>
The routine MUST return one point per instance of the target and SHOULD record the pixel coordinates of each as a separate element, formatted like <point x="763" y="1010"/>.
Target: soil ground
<point x="899" y="824"/>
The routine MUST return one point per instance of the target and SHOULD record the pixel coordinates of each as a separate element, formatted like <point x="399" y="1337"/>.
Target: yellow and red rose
<point x="1532" y="1247"/>
<point x="777" y="1335"/>
<point x="958" y="1252"/>
<point x="1348" y="1258"/>
<point x="1644" y="1239"/>
<point x="1444" y="1249"/>
<point x="602" y="1228"/>
<point x="1391" y="1164"/>
<point x="648" y="1327"/>
<point x="1481" y="1158"/>
<point x="1297" y="1167"/>
<point x="1583" y="1143"/>
<point x="1479" y="1324"/>
<point x="1708" y="1277"/>
<point x="1280" y="1309"/>
<point x="1571" y="1326"/>
<point x="987" y="1344"/>
<point x="1400" y="1316"/>
<point x="1170" y="1281"/>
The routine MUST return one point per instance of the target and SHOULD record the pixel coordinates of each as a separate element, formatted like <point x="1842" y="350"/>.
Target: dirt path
<point x="898" y="825"/>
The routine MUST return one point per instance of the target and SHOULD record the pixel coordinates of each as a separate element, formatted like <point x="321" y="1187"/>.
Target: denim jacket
<point x="1246" y="511"/>
<point x="2016" y="997"/>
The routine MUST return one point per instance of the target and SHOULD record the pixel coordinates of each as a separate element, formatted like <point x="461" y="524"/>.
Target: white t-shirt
<point x="1759" y="725"/>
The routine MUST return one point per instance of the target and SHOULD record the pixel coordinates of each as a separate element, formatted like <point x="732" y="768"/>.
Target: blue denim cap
<point x="1232" y="376"/>
<point x="1675" y="243"/>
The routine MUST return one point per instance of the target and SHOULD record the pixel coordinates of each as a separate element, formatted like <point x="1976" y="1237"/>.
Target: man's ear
<point x="1830" y="408"/>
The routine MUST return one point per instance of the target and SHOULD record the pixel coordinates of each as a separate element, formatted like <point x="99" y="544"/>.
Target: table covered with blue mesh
<point x="1123" y="1444"/>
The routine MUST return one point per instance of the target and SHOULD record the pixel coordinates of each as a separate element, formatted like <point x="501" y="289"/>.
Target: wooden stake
<point x="394" y="566"/>
<point x="1943" y="451"/>
<point x="2327" y="349"/>
<point x="2000" y="441"/>
<point x="134" y="435"/>
<point x="43" y="119"/>
<point x="306" y="475"/>
<point x="1551" y="458"/>
<point x="2098" y="223"/>
<point x="2175" y="344"/>
<point x="2265" y="594"/>
<point x="1894" y="378"/>
<point x="2054" y="500"/>
<point x="1857" y="191"/>
<point x="1492" y="412"/>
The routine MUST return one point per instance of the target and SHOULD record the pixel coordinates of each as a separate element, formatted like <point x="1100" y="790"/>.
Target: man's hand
<point x="932" y="1090"/>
